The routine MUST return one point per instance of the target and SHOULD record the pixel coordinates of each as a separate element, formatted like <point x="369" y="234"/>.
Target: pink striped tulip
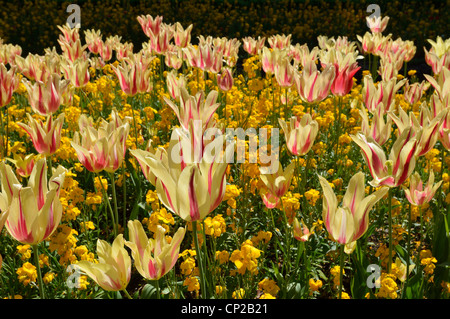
<point x="141" y="155"/>
<point x="348" y="223"/>
<point x="401" y="163"/>
<point x="253" y="46"/>
<point x="225" y="79"/>
<point x="34" y="211"/>
<point x="46" y="137"/>
<point x="343" y="82"/>
<point x="376" y="24"/>
<point x="153" y="258"/>
<point x="93" y="39"/>
<point x="160" y="42"/>
<point x="134" y="76"/>
<point x="182" y="37"/>
<point x="46" y="97"/>
<point x="413" y="92"/>
<point x="312" y="85"/>
<point x="300" y="135"/>
<point x="378" y="129"/>
<point x="149" y="24"/>
<point x="24" y="165"/>
<point x="190" y="180"/>
<point x="102" y="149"/>
<point x="284" y="72"/>
<point x="416" y="194"/>
<point x="300" y="230"/>
<point x="9" y="81"/>
<point x="276" y="184"/>
<point x="195" y="108"/>
<point x="174" y="84"/>
<point x="113" y="270"/>
<point x="76" y="72"/>
<point x="279" y="41"/>
<point x="384" y="93"/>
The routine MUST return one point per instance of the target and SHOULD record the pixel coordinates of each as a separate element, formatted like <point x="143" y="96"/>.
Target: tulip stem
<point x="408" y="247"/>
<point x="114" y="194"/>
<point x="341" y="269"/>
<point x="109" y="205"/>
<point x="126" y="293"/>
<point x="38" y="269"/>
<point x="390" y="231"/>
<point x="200" y="260"/>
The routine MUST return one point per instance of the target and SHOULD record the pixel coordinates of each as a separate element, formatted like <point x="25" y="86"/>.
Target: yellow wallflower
<point x="27" y="273"/>
<point x="24" y="251"/>
<point x="269" y="286"/>
<point x="246" y="258"/>
<point x="238" y="294"/>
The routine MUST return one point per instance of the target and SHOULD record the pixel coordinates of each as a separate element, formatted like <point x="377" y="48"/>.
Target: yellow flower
<point x="246" y="258"/>
<point x="312" y="196"/>
<point x="192" y="284"/>
<point x="222" y="256"/>
<point x="238" y="294"/>
<point x="48" y="277"/>
<point x="215" y="226"/>
<point x="315" y="285"/>
<point x="269" y="286"/>
<point x="25" y="251"/>
<point x="84" y="226"/>
<point x="388" y="288"/>
<point x="27" y="273"/>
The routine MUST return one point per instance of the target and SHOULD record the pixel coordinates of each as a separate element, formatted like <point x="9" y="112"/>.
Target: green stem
<point x="390" y="231"/>
<point x="341" y="269"/>
<point x="127" y="294"/>
<point x="105" y="196"/>
<point x="114" y="194"/>
<point x="408" y="247"/>
<point x="200" y="260"/>
<point x="38" y="269"/>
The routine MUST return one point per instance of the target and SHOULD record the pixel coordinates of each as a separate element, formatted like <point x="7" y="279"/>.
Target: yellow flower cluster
<point x="246" y="258"/>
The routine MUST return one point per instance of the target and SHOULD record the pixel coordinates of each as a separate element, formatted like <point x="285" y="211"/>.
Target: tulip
<point x="312" y="85"/>
<point x="149" y="24"/>
<point x="279" y="41"/>
<point x="253" y="46"/>
<point x="346" y="67"/>
<point x="195" y="107"/>
<point x="134" y="76"/>
<point x="9" y="81"/>
<point x="153" y="258"/>
<point x="76" y="72"/>
<point x="174" y="84"/>
<point x="229" y="48"/>
<point x="46" y="137"/>
<point x="69" y="34"/>
<point x="284" y="72"/>
<point x="379" y="129"/>
<point x="159" y="42"/>
<point x="190" y="182"/>
<point x="113" y="270"/>
<point x="401" y="163"/>
<point x="413" y="92"/>
<point x="72" y="51"/>
<point x="35" y="210"/>
<point x="300" y="135"/>
<point x="269" y="59"/>
<point x="46" y="97"/>
<point x="376" y="24"/>
<point x="384" y="93"/>
<point x="416" y="194"/>
<point x="102" y="149"/>
<point x="301" y="231"/>
<point x="348" y="223"/>
<point x="174" y="57"/>
<point x="93" y="39"/>
<point x="277" y="184"/>
<point x="437" y="63"/>
<point x="24" y="165"/>
<point x="182" y="37"/>
<point x="225" y="79"/>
